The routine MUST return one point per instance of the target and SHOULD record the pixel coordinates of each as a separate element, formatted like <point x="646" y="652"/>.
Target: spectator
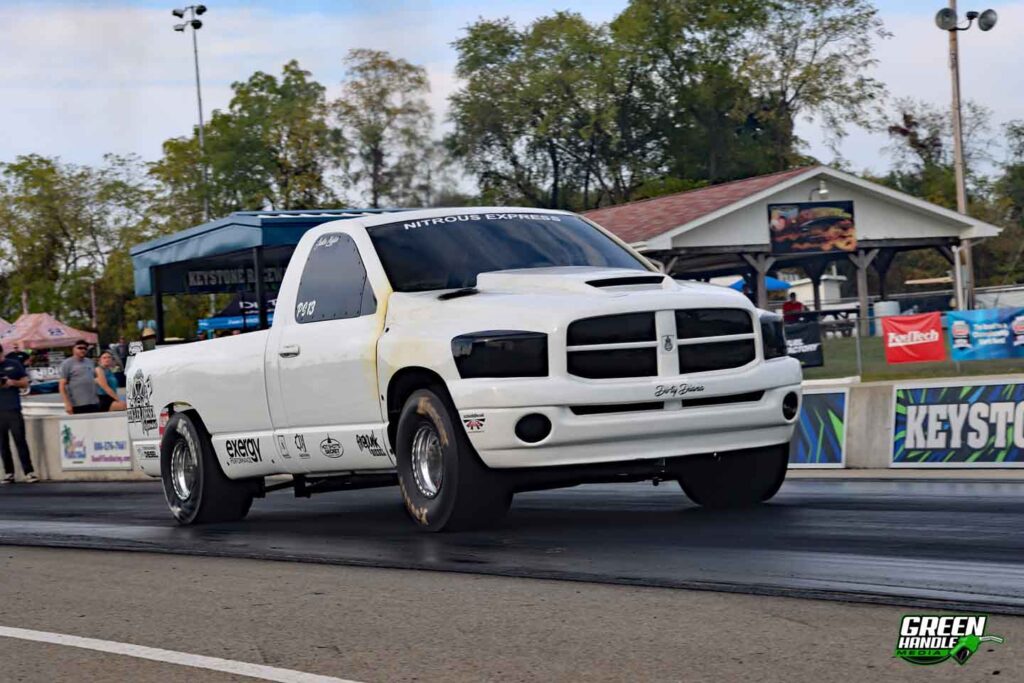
<point x="792" y="309"/>
<point x="121" y="349"/>
<point x="78" y="382"/>
<point x="148" y="339"/>
<point x="201" y="336"/>
<point x="12" y="380"/>
<point x="107" y="385"/>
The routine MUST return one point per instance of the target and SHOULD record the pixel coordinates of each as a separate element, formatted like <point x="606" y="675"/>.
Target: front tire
<point x="196" y="489"/>
<point x="444" y="485"/>
<point x="737" y="479"/>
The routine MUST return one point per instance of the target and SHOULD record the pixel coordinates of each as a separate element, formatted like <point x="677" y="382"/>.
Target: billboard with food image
<point x="808" y="227"/>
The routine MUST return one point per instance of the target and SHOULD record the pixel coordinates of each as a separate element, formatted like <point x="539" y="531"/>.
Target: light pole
<point x="947" y="20"/>
<point x="194" y="11"/>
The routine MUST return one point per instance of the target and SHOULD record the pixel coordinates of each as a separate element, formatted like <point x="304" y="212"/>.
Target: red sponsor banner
<point x="914" y="338"/>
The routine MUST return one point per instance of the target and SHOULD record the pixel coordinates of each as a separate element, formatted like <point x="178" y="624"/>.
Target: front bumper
<point x="489" y="413"/>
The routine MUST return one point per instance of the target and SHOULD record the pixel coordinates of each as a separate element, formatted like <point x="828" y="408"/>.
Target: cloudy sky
<point x="79" y="79"/>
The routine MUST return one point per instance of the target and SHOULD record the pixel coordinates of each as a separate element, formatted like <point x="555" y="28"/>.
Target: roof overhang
<point x="971" y="228"/>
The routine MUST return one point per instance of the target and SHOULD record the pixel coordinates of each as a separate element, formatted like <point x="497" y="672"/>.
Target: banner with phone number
<point x="986" y="334"/>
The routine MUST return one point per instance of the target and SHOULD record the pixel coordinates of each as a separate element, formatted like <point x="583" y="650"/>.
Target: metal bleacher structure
<point x="244" y="251"/>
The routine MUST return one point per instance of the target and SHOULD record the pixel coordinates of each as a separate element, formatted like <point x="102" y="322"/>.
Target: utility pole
<point x="194" y="11"/>
<point x="948" y="21"/>
<point x="964" y="297"/>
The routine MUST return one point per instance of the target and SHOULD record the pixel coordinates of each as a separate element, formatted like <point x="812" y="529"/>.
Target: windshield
<point x="450" y="251"/>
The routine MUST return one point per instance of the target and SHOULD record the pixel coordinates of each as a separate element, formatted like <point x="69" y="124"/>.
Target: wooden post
<point x="815" y="268"/>
<point x="761" y="263"/>
<point x="862" y="259"/>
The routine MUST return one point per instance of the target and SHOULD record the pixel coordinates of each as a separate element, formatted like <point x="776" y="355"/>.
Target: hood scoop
<point x="645" y="281"/>
<point x="581" y="279"/>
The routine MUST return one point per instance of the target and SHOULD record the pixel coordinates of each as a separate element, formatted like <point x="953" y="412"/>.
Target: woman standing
<point x="106" y="384"/>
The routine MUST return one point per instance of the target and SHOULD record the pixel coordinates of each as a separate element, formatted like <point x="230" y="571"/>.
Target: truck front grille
<point x="645" y="344"/>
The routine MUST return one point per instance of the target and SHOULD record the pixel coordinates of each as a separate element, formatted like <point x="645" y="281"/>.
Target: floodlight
<point x="179" y="27"/>
<point x="987" y="20"/>
<point x="180" y="13"/>
<point x="196" y="24"/>
<point x="946" y="19"/>
<point x="200" y="9"/>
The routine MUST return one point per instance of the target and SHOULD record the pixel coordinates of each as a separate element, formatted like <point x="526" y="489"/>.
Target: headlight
<point x="773" y="335"/>
<point x="501" y="353"/>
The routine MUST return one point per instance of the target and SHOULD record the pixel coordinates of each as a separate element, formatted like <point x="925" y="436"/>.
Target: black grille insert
<point x="749" y="397"/>
<point x="715" y="356"/>
<point x="617" y="363"/>
<point x="612" y="329"/>
<point x="617" y="408"/>
<point x="712" y="322"/>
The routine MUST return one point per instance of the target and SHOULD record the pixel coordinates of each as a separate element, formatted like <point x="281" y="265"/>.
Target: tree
<point x="812" y="58"/>
<point x="385" y="119"/>
<point x="273" y="148"/>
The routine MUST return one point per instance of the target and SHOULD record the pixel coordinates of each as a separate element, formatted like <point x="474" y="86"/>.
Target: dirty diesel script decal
<point x="139" y="393"/>
<point x="677" y="390"/>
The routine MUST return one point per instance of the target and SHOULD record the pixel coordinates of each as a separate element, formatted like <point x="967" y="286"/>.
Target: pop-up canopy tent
<point x="772" y="283"/>
<point x="5" y="327"/>
<point x="43" y="331"/>
<point x="241" y="314"/>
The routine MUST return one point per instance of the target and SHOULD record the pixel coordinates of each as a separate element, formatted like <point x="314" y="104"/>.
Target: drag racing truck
<point x="467" y="355"/>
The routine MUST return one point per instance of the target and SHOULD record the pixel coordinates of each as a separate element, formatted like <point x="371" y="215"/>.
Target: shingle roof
<point x="647" y="218"/>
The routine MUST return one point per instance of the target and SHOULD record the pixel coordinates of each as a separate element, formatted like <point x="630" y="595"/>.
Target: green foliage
<point x="387" y="124"/>
<point x="568" y="113"/>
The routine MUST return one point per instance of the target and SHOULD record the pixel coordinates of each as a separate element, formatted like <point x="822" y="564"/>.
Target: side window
<point x="333" y="284"/>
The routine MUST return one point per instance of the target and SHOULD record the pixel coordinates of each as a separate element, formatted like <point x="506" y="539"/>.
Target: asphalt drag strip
<point x="932" y="544"/>
<point x="370" y="625"/>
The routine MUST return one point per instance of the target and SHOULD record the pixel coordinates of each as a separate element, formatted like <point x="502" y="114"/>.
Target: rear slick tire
<point x="737" y="479"/>
<point x="444" y="485"/>
<point x="196" y="489"/>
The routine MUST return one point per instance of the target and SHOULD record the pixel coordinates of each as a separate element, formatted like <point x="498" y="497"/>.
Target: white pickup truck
<point x="466" y="355"/>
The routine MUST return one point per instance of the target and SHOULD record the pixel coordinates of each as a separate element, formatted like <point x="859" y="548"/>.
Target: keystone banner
<point x="976" y="424"/>
<point x="95" y="443"/>
<point x="986" y="334"/>
<point x="820" y="436"/>
<point x="913" y="338"/>
<point x="803" y="342"/>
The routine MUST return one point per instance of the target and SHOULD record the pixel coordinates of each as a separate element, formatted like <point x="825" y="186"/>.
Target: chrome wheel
<point x="427" y="460"/>
<point x="184" y="468"/>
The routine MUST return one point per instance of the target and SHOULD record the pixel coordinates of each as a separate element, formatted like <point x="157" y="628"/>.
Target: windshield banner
<point x="986" y="334"/>
<point x="962" y="424"/>
<point x="913" y="338"/>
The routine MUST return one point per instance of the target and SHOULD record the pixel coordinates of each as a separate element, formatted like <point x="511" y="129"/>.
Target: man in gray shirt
<point x="78" y="382"/>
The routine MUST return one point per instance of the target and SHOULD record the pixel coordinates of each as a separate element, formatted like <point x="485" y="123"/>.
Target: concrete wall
<point x="43" y="434"/>
<point x="869" y="421"/>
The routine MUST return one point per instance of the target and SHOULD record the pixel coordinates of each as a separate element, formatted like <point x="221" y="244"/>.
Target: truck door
<point x="325" y="353"/>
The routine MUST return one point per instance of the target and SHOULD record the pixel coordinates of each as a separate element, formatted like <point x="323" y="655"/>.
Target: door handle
<point x="289" y="351"/>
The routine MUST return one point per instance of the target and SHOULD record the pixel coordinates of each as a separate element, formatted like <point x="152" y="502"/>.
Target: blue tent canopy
<point x="773" y="284"/>
<point x="235" y="235"/>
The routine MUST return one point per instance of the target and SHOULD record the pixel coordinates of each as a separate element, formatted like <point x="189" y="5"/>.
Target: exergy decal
<point x="934" y="638"/>
<point x="139" y="393"/>
<point x="959" y="424"/>
<point x="242" y="451"/>
<point x="369" y="443"/>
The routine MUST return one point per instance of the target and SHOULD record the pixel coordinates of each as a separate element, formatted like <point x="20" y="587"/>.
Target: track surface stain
<point x="933" y="544"/>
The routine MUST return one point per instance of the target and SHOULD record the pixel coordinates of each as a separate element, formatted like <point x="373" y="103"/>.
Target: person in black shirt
<point x="12" y="380"/>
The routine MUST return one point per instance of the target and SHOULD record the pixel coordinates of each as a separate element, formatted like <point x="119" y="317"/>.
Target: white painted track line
<point x="267" y="673"/>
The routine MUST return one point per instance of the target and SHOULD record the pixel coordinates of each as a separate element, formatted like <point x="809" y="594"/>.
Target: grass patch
<point x="841" y="361"/>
